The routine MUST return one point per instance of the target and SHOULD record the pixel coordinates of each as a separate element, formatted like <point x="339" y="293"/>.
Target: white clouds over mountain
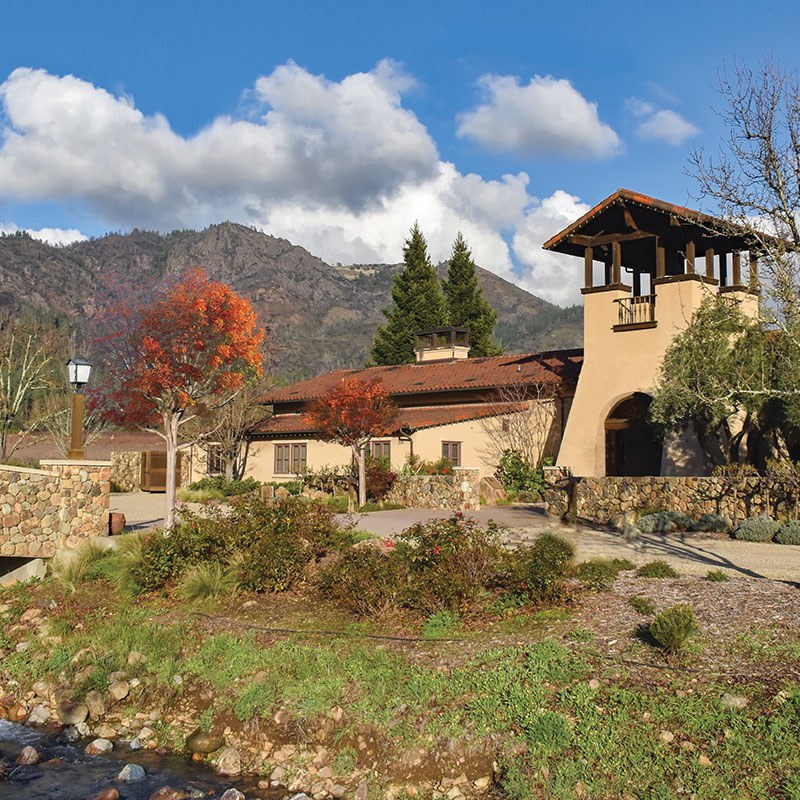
<point x="547" y="116"/>
<point x="55" y="236"/>
<point x="341" y="168"/>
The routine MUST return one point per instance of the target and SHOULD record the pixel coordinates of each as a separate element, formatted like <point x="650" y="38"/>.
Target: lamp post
<point x="79" y="371"/>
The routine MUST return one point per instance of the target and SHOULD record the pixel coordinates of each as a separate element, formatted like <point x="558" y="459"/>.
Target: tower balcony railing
<point x="639" y="310"/>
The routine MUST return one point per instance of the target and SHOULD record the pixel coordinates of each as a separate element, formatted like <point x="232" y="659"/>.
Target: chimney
<point x="442" y="344"/>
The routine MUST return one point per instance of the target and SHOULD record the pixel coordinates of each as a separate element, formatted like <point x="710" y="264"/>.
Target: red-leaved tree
<point x="352" y="413"/>
<point x="170" y="353"/>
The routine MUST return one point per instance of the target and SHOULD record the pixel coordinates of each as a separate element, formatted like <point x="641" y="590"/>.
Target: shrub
<point x="712" y="522"/>
<point x="673" y="627"/>
<point x="449" y="561"/>
<point x="519" y="476"/>
<point x="277" y="542"/>
<point x="415" y="466"/>
<point x="440" y="625"/>
<point x="789" y="533"/>
<point x="328" y="479"/>
<point x="541" y="570"/>
<point x="208" y="581"/>
<point x="71" y="567"/>
<point x="226" y="488"/>
<point x="600" y="573"/>
<point x="188" y="495"/>
<point x="756" y="529"/>
<point x="644" y="605"/>
<point x="656" y="569"/>
<point x="664" y="522"/>
<point x="717" y="576"/>
<point x="380" y="478"/>
<point x="366" y="580"/>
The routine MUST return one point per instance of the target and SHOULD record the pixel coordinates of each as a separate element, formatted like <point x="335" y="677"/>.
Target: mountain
<point x="322" y="317"/>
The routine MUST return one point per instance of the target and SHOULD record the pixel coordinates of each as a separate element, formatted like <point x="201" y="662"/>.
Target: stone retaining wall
<point x="126" y="471"/>
<point x="42" y="510"/>
<point x="603" y="499"/>
<point x="457" y="492"/>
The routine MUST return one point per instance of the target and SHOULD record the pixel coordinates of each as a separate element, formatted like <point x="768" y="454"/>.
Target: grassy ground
<point x="559" y="708"/>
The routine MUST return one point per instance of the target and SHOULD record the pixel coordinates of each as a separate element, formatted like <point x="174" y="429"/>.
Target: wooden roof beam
<point x="608" y="238"/>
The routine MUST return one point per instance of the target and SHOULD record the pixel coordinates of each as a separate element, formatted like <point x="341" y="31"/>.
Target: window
<point x="381" y="450"/>
<point x="452" y="450"/>
<point x="215" y="462"/>
<point x="290" y="458"/>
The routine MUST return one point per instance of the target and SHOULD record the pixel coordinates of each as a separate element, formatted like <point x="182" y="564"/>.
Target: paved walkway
<point x="690" y="555"/>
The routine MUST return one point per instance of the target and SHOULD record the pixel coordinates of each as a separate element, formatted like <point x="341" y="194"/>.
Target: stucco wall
<point x="619" y="363"/>
<point x="605" y="498"/>
<point x="42" y="510"/>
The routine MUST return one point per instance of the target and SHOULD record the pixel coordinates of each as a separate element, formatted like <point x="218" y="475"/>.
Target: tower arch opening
<point x="633" y="444"/>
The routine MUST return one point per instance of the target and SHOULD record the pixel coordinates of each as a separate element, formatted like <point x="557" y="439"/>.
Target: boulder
<point x="203" y="743"/>
<point x="130" y="773"/>
<point x="168" y="793"/>
<point x="119" y="690"/>
<point x="229" y="762"/>
<point x="107" y="794"/>
<point x="96" y="703"/>
<point x="72" y="713"/>
<point x="40" y="715"/>
<point x="99" y="746"/>
<point x="28" y="755"/>
<point x="41" y="689"/>
<point x="232" y="794"/>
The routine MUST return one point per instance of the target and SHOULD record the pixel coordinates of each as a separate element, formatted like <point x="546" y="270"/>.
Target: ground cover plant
<point x="656" y="569"/>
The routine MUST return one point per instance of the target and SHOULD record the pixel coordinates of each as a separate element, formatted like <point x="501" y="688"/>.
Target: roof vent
<point x="442" y="344"/>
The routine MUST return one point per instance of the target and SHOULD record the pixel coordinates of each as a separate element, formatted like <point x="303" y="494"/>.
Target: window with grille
<point x="290" y="458"/>
<point x="452" y="450"/>
<point x="215" y="462"/>
<point x="382" y="450"/>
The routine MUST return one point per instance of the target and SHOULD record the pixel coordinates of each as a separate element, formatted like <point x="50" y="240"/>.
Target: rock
<point x="325" y="772"/>
<point x="71" y="734"/>
<point x="113" y="677"/>
<point x="39" y="716"/>
<point x="667" y="737"/>
<point x="96" y="703"/>
<point x="229" y="762"/>
<point x="119" y="690"/>
<point x="362" y="791"/>
<point x="107" y="794"/>
<point x="734" y="700"/>
<point x="204" y="743"/>
<point x="99" y="746"/>
<point x="83" y="729"/>
<point x="28" y="755"/>
<point x="704" y="761"/>
<point x="105" y="732"/>
<point x="300" y="796"/>
<point x="85" y="673"/>
<point x="18" y="711"/>
<point x="337" y="790"/>
<point x="232" y="794"/>
<point x="168" y="793"/>
<point x="137" y="658"/>
<point x="277" y="774"/>
<point x="130" y="773"/>
<point x="594" y="683"/>
<point x="41" y="689"/>
<point x="483" y="783"/>
<point x="30" y="615"/>
<point x="146" y="733"/>
<point x="72" y="713"/>
<point x="134" y="744"/>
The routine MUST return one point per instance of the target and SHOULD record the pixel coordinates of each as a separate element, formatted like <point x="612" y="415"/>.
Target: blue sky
<point x="337" y="125"/>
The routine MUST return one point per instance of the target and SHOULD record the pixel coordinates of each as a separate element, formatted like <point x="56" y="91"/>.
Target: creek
<point x="74" y="775"/>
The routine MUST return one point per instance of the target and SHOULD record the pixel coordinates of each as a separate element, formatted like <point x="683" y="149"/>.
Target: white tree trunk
<point x="171" y="436"/>
<point x="362" y="474"/>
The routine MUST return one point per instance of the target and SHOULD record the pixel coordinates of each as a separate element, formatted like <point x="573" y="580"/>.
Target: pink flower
<point x="388" y="543"/>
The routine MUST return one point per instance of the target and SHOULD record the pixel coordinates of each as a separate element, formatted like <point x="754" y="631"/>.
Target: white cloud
<point x="668" y="126"/>
<point x="548" y="116"/>
<point x="56" y="236"/>
<point x="660" y="124"/>
<point x="341" y="168"/>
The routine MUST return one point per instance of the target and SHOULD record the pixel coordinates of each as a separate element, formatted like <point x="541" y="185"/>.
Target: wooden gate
<point x="154" y="471"/>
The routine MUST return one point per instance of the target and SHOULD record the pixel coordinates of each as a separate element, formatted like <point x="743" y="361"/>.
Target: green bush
<point x="664" y="522"/>
<point x="673" y="627"/>
<point x="187" y="495"/>
<point x="276" y="542"/>
<point x="541" y="571"/>
<point x="600" y="573"/>
<point x="789" y="533"/>
<point x="717" y="576"/>
<point x="715" y="523"/>
<point x="518" y="476"/>
<point x="218" y="483"/>
<point x="656" y="569"/>
<point x="209" y="581"/>
<point x="449" y="562"/>
<point x="756" y="529"/>
<point x="366" y="580"/>
<point x="644" y="605"/>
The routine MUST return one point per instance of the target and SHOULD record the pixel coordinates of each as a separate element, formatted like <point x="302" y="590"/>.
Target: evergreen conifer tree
<point x="466" y="305"/>
<point x="418" y="305"/>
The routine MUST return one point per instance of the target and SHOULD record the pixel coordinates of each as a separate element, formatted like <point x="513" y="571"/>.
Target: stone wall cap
<point x="66" y="462"/>
<point x="29" y="470"/>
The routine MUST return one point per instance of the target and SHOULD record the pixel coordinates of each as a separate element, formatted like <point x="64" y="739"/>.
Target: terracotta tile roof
<point x="555" y="367"/>
<point x="407" y="418"/>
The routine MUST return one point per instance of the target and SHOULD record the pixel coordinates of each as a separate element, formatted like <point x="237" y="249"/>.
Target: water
<point x="78" y="776"/>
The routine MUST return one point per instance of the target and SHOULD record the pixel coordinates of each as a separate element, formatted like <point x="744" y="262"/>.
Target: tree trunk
<point x="171" y="436"/>
<point x="361" y="455"/>
<point x="229" y="464"/>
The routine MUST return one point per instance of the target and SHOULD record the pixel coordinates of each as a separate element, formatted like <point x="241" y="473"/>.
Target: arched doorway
<point x="632" y="444"/>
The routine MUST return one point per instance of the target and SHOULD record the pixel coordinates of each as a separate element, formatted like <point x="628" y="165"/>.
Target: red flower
<point x="389" y="543"/>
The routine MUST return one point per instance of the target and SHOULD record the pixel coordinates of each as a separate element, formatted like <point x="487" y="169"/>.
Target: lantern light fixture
<point x="79" y="370"/>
